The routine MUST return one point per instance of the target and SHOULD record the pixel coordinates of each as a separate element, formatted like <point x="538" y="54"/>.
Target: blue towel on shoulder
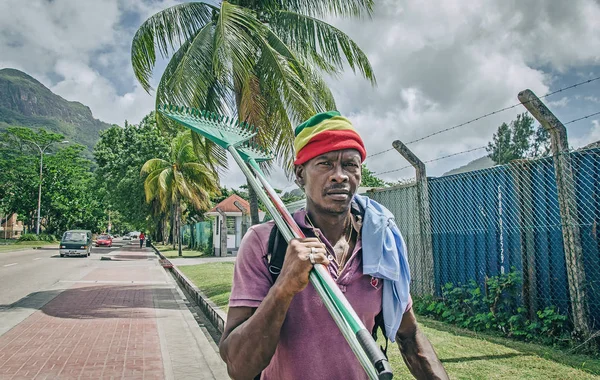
<point x="384" y="256"/>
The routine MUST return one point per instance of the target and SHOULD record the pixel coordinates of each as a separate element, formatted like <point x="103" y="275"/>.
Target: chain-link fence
<point x="198" y="236"/>
<point x="492" y="221"/>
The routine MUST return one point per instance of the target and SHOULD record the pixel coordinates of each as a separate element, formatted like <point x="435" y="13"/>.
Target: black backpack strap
<point x="380" y="325"/>
<point x="276" y="250"/>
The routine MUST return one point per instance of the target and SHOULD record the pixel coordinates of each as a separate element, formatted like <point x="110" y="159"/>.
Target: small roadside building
<point x="236" y="211"/>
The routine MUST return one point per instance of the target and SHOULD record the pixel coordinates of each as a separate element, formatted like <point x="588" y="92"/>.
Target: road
<point x="119" y="318"/>
<point x="25" y="272"/>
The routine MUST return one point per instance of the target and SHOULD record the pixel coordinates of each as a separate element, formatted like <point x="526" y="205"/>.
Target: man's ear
<point x="299" y="170"/>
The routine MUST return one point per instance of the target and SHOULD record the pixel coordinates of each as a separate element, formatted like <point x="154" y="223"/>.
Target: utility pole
<point x="42" y="150"/>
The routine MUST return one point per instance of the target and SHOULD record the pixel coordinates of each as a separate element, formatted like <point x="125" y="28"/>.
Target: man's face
<point x="330" y="180"/>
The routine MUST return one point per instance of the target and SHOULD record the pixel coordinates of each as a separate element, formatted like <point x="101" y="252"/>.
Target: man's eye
<point x="351" y="164"/>
<point x="326" y="163"/>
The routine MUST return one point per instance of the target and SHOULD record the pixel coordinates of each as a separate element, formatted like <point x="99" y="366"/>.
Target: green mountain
<point x="26" y="102"/>
<point x="480" y="163"/>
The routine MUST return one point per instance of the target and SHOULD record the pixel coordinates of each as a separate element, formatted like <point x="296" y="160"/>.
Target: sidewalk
<point x="125" y="319"/>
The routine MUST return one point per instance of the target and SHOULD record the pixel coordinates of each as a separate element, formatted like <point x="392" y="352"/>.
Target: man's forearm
<point x="420" y="358"/>
<point x="248" y="349"/>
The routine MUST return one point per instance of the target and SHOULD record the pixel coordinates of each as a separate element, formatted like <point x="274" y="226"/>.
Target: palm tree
<point x="262" y="59"/>
<point x="180" y="179"/>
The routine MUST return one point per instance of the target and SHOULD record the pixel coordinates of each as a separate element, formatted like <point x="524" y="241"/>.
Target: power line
<point x="435" y="159"/>
<point x="490" y="114"/>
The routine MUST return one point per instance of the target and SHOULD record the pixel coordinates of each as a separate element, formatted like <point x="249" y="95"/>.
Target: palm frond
<point x="154" y="164"/>
<point x="210" y="154"/>
<point x="234" y="42"/>
<point x="321" y="42"/>
<point x="278" y="70"/>
<point x="165" y="30"/>
<point x="324" y="8"/>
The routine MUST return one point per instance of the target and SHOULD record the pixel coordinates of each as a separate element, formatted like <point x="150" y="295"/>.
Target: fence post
<point x="424" y="216"/>
<point x="244" y="216"/>
<point x="568" y="206"/>
<point x="223" y="236"/>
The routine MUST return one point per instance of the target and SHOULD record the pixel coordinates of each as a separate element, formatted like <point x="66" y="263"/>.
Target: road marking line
<point x="37" y="258"/>
<point x="10" y="265"/>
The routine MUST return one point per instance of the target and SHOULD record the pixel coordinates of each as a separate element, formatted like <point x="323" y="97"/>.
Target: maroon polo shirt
<point x="311" y="345"/>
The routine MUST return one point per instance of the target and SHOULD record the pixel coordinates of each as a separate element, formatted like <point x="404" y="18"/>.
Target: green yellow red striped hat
<point x="326" y="132"/>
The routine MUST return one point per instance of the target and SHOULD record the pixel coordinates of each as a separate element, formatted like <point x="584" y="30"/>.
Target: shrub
<point x="34" y="237"/>
<point x="495" y="306"/>
<point x="28" y="237"/>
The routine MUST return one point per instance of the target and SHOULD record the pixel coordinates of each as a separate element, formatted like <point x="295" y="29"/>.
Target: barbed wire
<point x="490" y="114"/>
<point x="581" y="118"/>
<point x="478" y="148"/>
<point x="435" y="159"/>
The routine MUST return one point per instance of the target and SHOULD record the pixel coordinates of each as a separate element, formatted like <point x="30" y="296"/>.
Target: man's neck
<point x="332" y="226"/>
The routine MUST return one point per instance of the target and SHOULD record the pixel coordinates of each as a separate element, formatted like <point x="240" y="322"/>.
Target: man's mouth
<point x="340" y="195"/>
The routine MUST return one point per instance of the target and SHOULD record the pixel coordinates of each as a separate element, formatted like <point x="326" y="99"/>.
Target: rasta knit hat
<point x="326" y="132"/>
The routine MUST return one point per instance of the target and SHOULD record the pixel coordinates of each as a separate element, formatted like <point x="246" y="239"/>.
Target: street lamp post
<point x="42" y="150"/>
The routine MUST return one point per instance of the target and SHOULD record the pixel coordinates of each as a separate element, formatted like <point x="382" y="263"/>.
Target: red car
<point x="105" y="240"/>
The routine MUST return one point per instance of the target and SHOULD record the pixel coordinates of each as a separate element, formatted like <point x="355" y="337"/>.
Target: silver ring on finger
<point x="313" y="250"/>
<point x="311" y="257"/>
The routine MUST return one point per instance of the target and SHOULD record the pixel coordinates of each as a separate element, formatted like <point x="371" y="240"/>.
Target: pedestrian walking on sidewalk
<point x="277" y="326"/>
<point x="142" y="237"/>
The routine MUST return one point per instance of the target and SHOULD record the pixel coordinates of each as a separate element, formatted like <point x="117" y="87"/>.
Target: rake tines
<point x="251" y="151"/>
<point x="222" y="130"/>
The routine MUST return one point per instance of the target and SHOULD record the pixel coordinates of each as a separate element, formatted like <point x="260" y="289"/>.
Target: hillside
<point x="480" y="163"/>
<point x="26" y="102"/>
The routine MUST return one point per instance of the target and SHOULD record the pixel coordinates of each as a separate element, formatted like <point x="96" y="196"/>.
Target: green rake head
<point x="222" y="130"/>
<point x="250" y="151"/>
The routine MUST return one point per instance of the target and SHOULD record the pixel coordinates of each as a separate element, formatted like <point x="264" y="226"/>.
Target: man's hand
<point x="296" y="266"/>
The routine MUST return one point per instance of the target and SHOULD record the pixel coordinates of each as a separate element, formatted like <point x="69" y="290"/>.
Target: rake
<point x="234" y="136"/>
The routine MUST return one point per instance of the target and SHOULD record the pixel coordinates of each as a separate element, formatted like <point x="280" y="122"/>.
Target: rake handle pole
<point x="368" y="344"/>
<point x="315" y="277"/>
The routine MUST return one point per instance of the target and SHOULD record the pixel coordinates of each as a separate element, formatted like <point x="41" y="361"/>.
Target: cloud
<point x="562" y="102"/>
<point x="438" y="64"/>
<point x="592" y="136"/>
<point x="441" y="64"/>
<point x="80" y="50"/>
<point x="593" y="99"/>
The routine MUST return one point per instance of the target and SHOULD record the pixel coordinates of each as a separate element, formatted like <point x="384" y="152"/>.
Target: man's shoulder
<point x="263" y="230"/>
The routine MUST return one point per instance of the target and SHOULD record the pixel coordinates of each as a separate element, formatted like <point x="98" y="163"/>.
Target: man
<point x="142" y="237"/>
<point x="281" y="330"/>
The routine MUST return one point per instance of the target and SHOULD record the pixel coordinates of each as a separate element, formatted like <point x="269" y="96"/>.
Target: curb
<point x="215" y="314"/>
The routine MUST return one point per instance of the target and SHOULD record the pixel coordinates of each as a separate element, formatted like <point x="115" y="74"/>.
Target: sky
<point x="438" y="64"/>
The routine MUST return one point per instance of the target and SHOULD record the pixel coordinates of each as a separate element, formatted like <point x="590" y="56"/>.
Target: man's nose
<point x="339" y="175"/>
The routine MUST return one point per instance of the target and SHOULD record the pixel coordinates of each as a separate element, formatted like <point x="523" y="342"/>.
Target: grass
<point x="465" y="354"/>
<point x="214" y="279"/>
<point x="170" y="253"/>
<point x="20" y="245"/>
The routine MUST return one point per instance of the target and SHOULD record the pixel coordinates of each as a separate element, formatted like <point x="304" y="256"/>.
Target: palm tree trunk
<point x="174" y="224"/>
<point x="179" y="227"/>
<point x="253" y="205"/>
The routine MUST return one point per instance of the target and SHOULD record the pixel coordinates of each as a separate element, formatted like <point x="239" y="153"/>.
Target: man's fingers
<point x="318" y="258"/>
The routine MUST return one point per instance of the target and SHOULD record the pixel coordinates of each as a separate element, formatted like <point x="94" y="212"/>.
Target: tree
<point x="69" y="198"/>
<point x="120" y="153"/>
<point x="262" y="60"/>
<point x="180" y="179"/>
<point x="517" y="140"/>
<point x="369" y="179"/>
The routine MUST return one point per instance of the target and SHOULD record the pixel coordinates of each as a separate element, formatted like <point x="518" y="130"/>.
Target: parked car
<point x="126" y="237"/>
<point x="104" y="240"/>
<point x="76" y="243"/>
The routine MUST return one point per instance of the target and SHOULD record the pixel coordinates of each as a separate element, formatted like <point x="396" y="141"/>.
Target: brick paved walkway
<point x="107" y="327"/>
